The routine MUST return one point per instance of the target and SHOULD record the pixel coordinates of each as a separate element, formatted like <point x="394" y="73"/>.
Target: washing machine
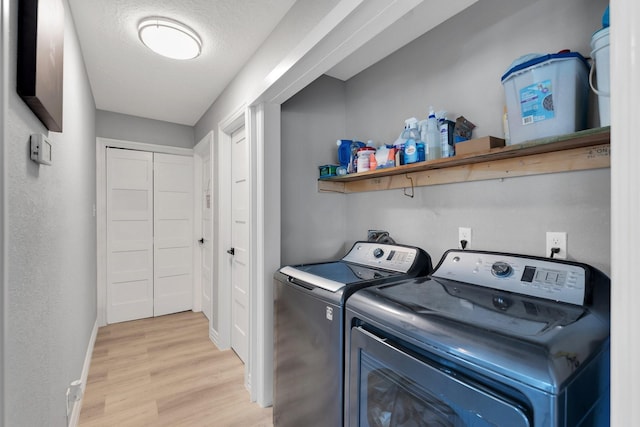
<point x="489" y="339"/>
<point x="309" y="327"/>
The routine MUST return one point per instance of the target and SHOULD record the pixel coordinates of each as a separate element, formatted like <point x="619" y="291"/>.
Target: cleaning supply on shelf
<point x="399" y="155"/>
<point x="505" y="125"/>
<point x="546" y="95"/>
<point x="446" y="127"/>
<point x="353" y="159"/>
<point x="328" y="170"/>
<point x="422" y="152"/>
<point x="422" y="125"/>
<point x="411" y="137"/>
<point x="364" y="155"/>
<point x="434" y="150"/>
<point x="410" y="151"/>
<point x="463" y="130"/>
<point x="385" y="156"/>
<point x="398" y="150"/>
<point x="600" y="57"/>
<point x="373" y="163"/>
<point x="344" y="151"/>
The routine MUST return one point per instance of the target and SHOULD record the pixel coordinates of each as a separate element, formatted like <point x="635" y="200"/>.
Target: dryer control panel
<point x="537" y="277"/>
<point x="389" y="257"/>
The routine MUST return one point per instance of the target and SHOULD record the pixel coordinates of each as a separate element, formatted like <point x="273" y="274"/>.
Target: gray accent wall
<point x="139" y="129"/>
<point x="313" y="225"/>
<point x="51" y="245"/>
<point x="456" y="67"/>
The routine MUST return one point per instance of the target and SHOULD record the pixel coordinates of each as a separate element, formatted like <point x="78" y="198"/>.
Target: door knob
<point x="201" y="241"/>
<point x="231" y="251"/>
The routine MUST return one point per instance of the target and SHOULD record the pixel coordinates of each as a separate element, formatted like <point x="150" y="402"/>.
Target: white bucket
<point x="600" y="55"/>
<point x="547" y="96"/>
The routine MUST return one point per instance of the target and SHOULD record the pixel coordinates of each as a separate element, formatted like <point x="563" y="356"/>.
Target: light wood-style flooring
<point x="165" y="371"/>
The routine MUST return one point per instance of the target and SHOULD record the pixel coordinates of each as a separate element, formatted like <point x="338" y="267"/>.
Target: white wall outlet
<point x="556" y="239"/>
<point x="75" y="390"/>
<point x="464" y="233"/>
<point x="74" y="394"/>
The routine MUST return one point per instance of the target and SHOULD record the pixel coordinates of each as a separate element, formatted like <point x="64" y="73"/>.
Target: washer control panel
<point x="378" y="255"/>
<point x="549" y="279"/>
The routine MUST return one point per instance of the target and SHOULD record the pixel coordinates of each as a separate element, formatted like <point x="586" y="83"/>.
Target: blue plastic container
<point x="344" y="152"/>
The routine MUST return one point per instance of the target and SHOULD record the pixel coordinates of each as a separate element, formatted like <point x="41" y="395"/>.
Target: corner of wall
<point x="4" y="49"/>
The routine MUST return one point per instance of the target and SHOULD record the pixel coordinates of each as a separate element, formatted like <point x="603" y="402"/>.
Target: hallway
<point x="165" y="371"/>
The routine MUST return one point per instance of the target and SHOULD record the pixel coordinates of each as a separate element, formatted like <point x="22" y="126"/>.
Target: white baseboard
<point x="215" y="338"/>
<point x="75" y="412"/>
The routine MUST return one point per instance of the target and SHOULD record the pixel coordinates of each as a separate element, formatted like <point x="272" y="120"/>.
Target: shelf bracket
<point x="412" y="187"/>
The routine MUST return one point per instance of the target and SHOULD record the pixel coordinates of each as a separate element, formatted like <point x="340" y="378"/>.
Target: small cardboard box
<point x="479" y="145"/>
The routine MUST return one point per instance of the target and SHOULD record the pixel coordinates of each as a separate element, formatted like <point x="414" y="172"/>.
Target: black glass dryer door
<point x="388" y="387"/>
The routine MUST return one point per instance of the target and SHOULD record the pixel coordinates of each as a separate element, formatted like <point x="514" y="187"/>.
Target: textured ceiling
<point x="128" y="78"/>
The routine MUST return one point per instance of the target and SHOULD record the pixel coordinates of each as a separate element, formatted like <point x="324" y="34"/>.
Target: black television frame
<point x="41" y="59"/>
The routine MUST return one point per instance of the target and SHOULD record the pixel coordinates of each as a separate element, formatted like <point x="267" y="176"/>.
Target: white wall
<point x="51" y="240"/>
<point x="625" y="211"/>
<point x="4" y="90"/>
<point x="130" y="128"/>
<point x="250" y="82"/>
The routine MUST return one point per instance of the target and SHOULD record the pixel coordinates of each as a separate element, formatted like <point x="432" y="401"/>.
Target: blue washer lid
<point x="537" y="59"/>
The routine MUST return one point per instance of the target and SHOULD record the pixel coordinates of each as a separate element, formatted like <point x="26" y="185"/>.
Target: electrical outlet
<point x="75" y="390"/>
<point x="557" y="239"/>
<point x="74" y="394"/>
<point x="464" y="233"/>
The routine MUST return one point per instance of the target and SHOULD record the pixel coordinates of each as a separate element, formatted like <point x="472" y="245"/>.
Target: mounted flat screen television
<point x="40" y="59"/>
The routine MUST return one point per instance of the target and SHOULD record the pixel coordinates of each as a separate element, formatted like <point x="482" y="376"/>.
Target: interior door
<point x="129" y="235"/>
<point x="173" y="225"/>
<point x="240" y="244"/>
<point x="206" y="249"/>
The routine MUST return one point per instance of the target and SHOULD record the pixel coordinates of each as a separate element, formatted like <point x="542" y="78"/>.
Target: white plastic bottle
<point x="434" y="150"/>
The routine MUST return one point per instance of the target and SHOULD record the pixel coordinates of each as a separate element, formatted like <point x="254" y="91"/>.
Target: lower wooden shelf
<point x="583" y="150"/>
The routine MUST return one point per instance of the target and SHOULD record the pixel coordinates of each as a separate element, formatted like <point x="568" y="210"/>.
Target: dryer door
<point x="389" y="387"/>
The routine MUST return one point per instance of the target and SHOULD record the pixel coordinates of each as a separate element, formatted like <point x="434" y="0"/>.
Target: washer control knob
<point x="377" y="252"/>
<point x="501" y="303"/>
<point x="501" y="269"/>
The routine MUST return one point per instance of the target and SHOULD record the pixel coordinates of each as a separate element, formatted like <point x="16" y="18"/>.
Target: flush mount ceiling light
<point x="169" y="38"/>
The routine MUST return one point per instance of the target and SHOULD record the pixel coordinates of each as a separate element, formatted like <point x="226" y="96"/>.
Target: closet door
<point x="129" y="235"/>
<point x="173" y="224"/>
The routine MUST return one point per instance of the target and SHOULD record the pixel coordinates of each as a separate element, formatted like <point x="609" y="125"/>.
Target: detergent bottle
<point x="411" y="135"/>
<point x="434" y="150"/>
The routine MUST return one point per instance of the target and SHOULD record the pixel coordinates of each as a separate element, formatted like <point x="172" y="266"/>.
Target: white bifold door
<point x="149" y="234"/>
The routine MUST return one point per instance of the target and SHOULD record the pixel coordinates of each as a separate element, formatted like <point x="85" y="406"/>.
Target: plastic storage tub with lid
<point x="546" y="95"/>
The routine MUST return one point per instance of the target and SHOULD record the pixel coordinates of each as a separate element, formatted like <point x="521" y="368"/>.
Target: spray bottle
<point x="411" y="135"/>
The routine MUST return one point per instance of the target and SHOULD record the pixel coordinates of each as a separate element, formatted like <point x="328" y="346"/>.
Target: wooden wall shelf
<point x="588" y="149"/>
